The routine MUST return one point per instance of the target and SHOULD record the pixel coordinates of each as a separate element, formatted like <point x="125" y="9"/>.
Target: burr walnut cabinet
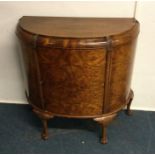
<point x="78" y="67"/>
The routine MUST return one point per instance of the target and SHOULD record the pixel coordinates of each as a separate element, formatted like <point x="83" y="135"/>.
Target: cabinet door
<point x="73" y="80"/>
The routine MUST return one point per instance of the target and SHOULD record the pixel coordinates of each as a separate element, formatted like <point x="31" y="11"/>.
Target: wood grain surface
<point x="74" y="27"/>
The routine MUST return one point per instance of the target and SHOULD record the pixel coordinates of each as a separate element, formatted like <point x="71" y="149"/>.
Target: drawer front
<point x="73" y="80"/>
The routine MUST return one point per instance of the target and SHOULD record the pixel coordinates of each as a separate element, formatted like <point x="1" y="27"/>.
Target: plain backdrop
<point x="143" y="81"/>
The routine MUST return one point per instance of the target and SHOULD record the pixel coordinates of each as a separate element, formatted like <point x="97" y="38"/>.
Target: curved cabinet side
<point x="32" y="78"/>
<point x="121" y="73"/>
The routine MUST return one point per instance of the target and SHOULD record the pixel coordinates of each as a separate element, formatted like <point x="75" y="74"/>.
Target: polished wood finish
<point x="128" y="111"/>
<point x="83" y="27"/>
<point x="78" y="67"/>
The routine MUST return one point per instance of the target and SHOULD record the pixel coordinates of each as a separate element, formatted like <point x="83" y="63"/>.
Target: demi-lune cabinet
<point x="78" y="67"/>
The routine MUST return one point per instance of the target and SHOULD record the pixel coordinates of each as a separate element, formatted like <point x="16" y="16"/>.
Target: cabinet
<point x="78" y="67"/>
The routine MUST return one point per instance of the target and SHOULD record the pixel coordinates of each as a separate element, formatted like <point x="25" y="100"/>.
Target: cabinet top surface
<point x="76" y="27"/>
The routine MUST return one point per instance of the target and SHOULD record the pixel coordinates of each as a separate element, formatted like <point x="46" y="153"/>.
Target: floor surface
<point x="20" y="133"/>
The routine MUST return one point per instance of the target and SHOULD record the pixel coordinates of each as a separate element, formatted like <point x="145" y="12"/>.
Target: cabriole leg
<point x="104" y="135"/>
<point x="104" y="121"/>
<point x="44" y="133"/>
<point x="128" y="110"/>
<point x="44" y="116"/>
